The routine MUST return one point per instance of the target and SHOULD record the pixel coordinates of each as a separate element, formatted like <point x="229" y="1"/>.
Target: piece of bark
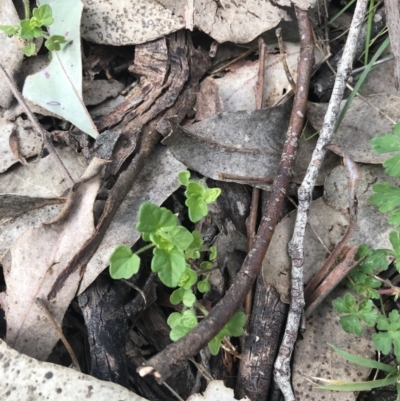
<point x="105" y="318"/>
<point x="261" y="343"/>
<point x="154" y="328"/>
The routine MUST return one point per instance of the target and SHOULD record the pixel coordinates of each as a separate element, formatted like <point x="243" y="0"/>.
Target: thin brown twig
<point x="166" y="362"/>
<point x="289" y="77"/>
<point x="59" y="332"/>
<point x="45" y="140"/>
<point x="251" y="222"/>
<point x="226" y="176"/>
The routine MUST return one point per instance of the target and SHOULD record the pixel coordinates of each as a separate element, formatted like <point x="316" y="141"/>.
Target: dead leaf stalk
<point x="296" y="246"/>
<point x="289" y="77"/>
<point x="166" y="362"/>
<point x="45" y="140"/>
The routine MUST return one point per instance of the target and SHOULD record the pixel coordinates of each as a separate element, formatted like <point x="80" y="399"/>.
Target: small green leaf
<point x="386" y="197"/>
<point x="181" y="238"/>
<point x="392" y="166"/>
<point x="365" y="311"/>
<point x="214" y="345"/>
<point x="395" y="219"/>
<point x="9" y="30"/>
<point x="206" y="265"/>
<point x="375" y="261"/>
<point x="29" y="30"/>
<point x="54" y="42"/>
<point x="197" y="208"/>
<point x="177" y="296"/>
<point x="367" y="286"/>
<point x="178" y="332"/>
<point x="188" y="298"/>
<point x="153" y="218"/>
<point x="43" y="15"/>
<point x="389" y="334"/>
<point x="213" y="253"/>
<point x="29" y="50"/>
<point x="123" y="263"/>
<point x="188" y="279"/>
<point x="169" y="265"/>
<point x="184" y="178"/>
<point x="194" y="188"/>
<point x="385" y="143"/>
<point x="161" y="240"/>
<point x="174" y="319"/>
<point x="211" y="195"/>
<point x="203" y="286"/>
<point x="193" y="251"/>
<point x="181" y="324"/>
<point x="235" y="326"/>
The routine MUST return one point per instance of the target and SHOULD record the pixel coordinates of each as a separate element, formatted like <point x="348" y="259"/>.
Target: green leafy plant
<point x="175" y="252"/>
<point x="31" y="28"/>
<point x="364" y="280"/>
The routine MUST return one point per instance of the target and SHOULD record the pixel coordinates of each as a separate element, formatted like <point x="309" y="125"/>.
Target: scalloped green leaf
<point x="169" y="265"/>
<point x="153" y="218"/>
<point x="123" y="263"/>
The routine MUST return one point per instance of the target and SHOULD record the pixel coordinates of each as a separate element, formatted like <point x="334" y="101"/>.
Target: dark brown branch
<point x="164" y="363"/>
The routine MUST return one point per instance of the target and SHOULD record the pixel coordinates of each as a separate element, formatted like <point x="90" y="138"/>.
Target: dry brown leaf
<point x="33" y="263"/>
<point x="24" y="188"/>
<point x="360" y="124"/>
<point x="11" y="51"/>
<point x="330" y="225"/>
<point x="29" y="142"/>
<point x="236" y="89"/>
<point x="243" y="143"/>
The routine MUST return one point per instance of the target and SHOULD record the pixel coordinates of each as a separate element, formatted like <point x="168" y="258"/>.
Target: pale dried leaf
<point x="330" y="226"/>
<point x="243" y="143"/>
<point x="236" y="88"/>
<point x="322" y="328"/>
<point x="33" y="263"/>
<point x="11" y="54"/>
<point x="24" y="378"/>
<point x="95" y="92"/>
<point x="216" y="390"/>
<point x="126" y="22"/>
<point x="24" y="188"/>
<point x="360" y="124"/>
<point x="58" y="87"/>
<point x="30" y="142"/>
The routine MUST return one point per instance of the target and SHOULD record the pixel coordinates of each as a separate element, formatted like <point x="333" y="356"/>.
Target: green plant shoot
<point x="175" y="251"/>
<point x="31" y="28"/>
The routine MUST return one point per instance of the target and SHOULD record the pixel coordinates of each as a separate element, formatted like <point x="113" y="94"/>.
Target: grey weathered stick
<point x="296" y="250"/>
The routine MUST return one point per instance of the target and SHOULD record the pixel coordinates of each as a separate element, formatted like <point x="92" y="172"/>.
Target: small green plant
<point x="175" y="252"/>
<point x="31" y="28"/>
<point x="364" y="280"/>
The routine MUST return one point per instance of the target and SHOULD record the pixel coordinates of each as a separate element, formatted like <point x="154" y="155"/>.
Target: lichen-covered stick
<point x="296" y="251"/>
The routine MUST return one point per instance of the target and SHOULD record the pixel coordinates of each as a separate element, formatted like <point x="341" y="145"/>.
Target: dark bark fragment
<point x="261" y="343"/>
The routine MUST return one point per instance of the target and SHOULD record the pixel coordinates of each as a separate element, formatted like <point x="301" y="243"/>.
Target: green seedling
<point x="363" y="279"/>
<point x="175" y="252"/>
<point x="32" y="28"/>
